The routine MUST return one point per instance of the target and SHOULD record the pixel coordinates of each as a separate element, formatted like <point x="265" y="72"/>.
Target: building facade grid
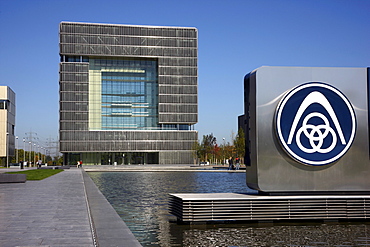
<point x="174" y="49"/>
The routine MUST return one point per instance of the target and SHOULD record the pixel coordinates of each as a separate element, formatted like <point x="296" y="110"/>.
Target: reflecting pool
<point x="141" y="199"/>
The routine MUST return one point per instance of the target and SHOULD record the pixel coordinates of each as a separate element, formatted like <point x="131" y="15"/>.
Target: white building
<point x="7" y="123"/>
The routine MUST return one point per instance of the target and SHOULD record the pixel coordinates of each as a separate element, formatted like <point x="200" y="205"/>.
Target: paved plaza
<point x="66" y="209"/>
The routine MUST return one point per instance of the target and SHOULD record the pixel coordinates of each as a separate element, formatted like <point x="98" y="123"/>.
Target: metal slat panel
<point x="230" y="207"/>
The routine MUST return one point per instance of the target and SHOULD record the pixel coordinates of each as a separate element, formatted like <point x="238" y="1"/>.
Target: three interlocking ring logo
<point x="315" y="123"/>
<point x="316" y="134"/>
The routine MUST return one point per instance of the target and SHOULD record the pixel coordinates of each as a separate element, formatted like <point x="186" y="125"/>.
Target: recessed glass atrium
<point x="123" y="94"/>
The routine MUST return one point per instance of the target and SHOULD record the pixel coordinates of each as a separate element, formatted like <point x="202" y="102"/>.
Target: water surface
<point x="141" y="199"/>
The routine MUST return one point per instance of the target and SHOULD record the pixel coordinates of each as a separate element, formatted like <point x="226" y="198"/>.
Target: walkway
<point x="56" y="212"/>
<point x="159" y="168"/>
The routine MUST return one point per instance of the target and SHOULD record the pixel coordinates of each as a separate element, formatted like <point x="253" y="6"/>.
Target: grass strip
<point x="38" y="174"/>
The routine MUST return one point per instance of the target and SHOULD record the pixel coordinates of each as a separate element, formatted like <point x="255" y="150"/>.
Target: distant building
<point x="7" y="123"/>
<point x="128" y="94"/>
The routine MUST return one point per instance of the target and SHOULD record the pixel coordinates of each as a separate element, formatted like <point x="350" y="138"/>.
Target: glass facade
<point x="123" y="94"/>
<point x="4" y="104"/>
<point x="128" y="90"/>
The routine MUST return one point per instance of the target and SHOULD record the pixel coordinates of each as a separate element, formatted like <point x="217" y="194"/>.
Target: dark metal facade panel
<point x="73" y="97"/>
<point x="184" y="155"/>
<point x="127" y="146"/>
<point x="126" y="136"/>
<point x="178" y="117"/>
<point x="177" y="80"/>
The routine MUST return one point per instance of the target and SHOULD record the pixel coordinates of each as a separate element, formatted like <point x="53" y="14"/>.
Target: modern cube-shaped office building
<point x="128" y="94"/>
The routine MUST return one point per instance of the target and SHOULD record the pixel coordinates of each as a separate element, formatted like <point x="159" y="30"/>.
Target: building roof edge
<point x="130" y="25"/>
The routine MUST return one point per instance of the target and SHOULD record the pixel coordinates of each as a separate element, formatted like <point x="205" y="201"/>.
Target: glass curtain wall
<point x="123" y="94"/>
<point x="116" y="158"/>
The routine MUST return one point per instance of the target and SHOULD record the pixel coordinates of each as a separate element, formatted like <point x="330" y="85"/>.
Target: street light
<point x="16" y="150"/>
<point x="34" y="154"/>
<point x="30" y="153"/>
<point x="223" y="151"/>
<point x="41" y="152"/>
<point x="24" y="150"/>
<point x="7" y="147"/>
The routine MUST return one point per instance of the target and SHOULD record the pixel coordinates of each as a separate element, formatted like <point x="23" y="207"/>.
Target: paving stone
<point x="53" y="212"/>
<point x="40" y="213"/>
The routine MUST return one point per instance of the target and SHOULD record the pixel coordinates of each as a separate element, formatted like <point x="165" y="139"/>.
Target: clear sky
<point x="235" y="37"/>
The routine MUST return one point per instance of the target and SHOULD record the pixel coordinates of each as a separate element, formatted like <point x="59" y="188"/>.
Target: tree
<point x="239" y="143"/>
<point x="48" y="159"/>
<point x="229" y="150"/>
<point x="197" y="151"/>
<point x="216" y="153"/>
<point x="58" y="160"/>
<point x="207" y="149"/>
<point x="21" y="156"/>
<point x="208" y="144"/>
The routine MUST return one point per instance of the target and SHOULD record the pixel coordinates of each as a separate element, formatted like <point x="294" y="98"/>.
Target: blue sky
<point x="235" y="37"/>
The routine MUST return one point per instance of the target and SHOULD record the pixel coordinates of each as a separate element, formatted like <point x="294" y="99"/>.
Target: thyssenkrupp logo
<point x="315" y="123"/>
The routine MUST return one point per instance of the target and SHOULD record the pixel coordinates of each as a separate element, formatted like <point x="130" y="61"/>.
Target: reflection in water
<point x="279" y="235"/>
<point x="141" y="199"/>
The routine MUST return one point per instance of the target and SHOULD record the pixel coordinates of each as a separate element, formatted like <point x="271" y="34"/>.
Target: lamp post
<point x="16" y="150"/>
<point x="223" y="151"/>
<point x="34" y="154"/>
<point x="24" y="150"/>
<point x="6" y="147"/>
<point x="41" y="152"/>
<point x="30" y="153"/>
